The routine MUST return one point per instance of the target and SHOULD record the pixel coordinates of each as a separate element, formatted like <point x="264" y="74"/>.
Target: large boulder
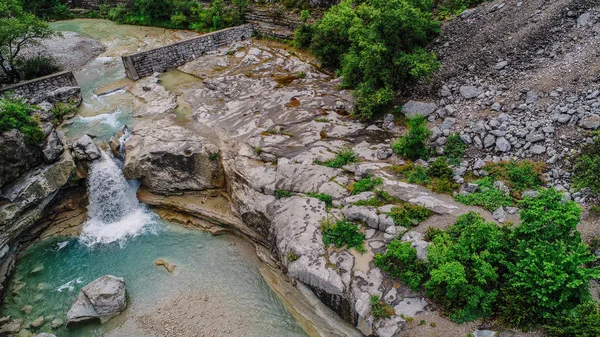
<point x="413" y="108"/>
<point x="100" y="300"/>
<point x="172" y="158"/>
<point x="85" y="149"/>
<point x="65" y="95"/>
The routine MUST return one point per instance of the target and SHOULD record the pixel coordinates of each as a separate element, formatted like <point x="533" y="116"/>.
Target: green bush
<point x="344" y="157"/>
<point x="279" y="194"/>
<point x="343" y="234"/>
<point x="47" y="9"/>
<point x="378" y="46"/>
<point x="586" y="165"/>
<point x="326" y="198"/>
<point x="440" y="169"/>
<point x="412" y="145"/>
<point x="517" y="175"/>
<point x="366" y="184"/>
<point x="535" y="274"/>
<point x="380" y="309"/>
<point x="409" y="215"/>
<point x="36" y="67"/>
<point x="581" y="321"/>
<point x="487" y="196"/>
<point x="419" y="176"/>
<point x="16" y="114"/>
<point x="465" y="266"/>
<point x="455" y="149"/>
<point x="400" y="261"/>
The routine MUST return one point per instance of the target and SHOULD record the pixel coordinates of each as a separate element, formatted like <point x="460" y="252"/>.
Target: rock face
<point x="172" y="159"/>
<point x="100" y="300"/>
<point x="16" y="155"/>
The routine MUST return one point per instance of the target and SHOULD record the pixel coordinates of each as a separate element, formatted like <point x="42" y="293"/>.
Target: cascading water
<point x="114" y="213"/>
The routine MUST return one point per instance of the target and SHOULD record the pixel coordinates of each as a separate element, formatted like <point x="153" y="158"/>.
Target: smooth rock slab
<point x="100" y="300"/>
<point x="591" y="122"/>
<point x="469" y="91"/>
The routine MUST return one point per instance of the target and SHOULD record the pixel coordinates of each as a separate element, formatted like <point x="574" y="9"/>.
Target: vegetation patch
<point x="380" y="309"/>
<point x="412" y="145"/>
<point x="381" y="198"/>
<point x="16" y="114"/>
<point x="326" y="198"/>
<point x="487" y="196"/>
<point x="517" y="175"/>
<point x="279" y="194"/>
<point x="533" y="275"/>
<point x="586" y="166"/>
<point x="454" y="151"/>
<point x="366" y="184"/>
<point x="409" y="215"/>
<point x="343" y="233"/>
<point x="438" y="177"/>
<point x="344" y="157"/>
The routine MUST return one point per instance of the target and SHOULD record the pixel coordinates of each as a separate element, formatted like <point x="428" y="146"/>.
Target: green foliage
<point x="18" y="29"/>
<point x="586" y="165"/>
<point x="16" y="114"/>
<point x="291" y="257"/>
<point x="179" y="14"/>
<point x="419" y="176"/>
<point x="535" y="274"/>
<point x="517" y="175"/>
<point x="449" y="8"/>
<point x="36" y="66"/>
<point x="380" y="309"/>
<point x="366" y="184"/>
<point x="455" y="149"/>
<point x="440" y="169"/>
<point x="47" y="9"/>
<point x="343" y="234"/>
<point x="581" y="321"/>
<point x="62" y="110"/>
<point x="409" y="215"/>
<point x="344" y="157"/>
<point x="487" y="196"/>
<point x="400" y="261"/>
<point x="465" y="265"/>
<point x="213" y="156"/>
<point x="378" y="46"/>
<point x="324" y="197"/>
<point x="412" y="145"/>
<point x="279" y="194"/>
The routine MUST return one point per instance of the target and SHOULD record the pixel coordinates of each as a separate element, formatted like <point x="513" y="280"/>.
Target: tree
<point x="241" y="9"/>
<point x="17" y="30"/>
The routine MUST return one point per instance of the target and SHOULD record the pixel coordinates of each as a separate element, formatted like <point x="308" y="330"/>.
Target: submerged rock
<point x="169" y="267"/>
<point x="100" y="300"/>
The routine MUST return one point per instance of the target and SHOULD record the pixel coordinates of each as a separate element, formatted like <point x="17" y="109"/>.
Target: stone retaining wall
<point x="95" y="4"/>
<point x="42" y="85"/>
<point x="146" y="63"/>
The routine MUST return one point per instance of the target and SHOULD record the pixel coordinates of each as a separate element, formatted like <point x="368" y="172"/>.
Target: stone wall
<point x="174" y="55"/>
<point x="95" y="4"/>
<point x="38" y="87"/>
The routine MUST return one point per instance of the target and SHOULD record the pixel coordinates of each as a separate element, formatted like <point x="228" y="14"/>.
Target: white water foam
<point x="70" y="286"/>
<point x="114" y="213"/>
<point x="109" y="119"/>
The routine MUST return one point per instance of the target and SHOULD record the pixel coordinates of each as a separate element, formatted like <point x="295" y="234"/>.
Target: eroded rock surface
<point x="100" y="300"/>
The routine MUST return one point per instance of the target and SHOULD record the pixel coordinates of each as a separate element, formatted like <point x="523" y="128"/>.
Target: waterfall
<point x="114" y="213"/>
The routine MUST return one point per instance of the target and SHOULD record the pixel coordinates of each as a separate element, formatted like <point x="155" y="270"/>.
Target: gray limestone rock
<point x="469" y="91"/>
<point x="417" y="242"/>
<point x="53" y="148"/>
<point x="502" y="145"/>
<point x="413" y="108"/>
<point x="85" y="149"/>
<point x="499" y="215"/>
<point x="100" y="300"/>
<point x="591" y="122"/>
<point x="364" y="214"/>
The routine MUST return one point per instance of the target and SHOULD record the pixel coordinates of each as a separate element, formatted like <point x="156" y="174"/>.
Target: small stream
<point x="216" y="288"/>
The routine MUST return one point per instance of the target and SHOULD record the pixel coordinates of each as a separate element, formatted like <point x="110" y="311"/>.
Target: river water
<point x="216" y="288"/>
